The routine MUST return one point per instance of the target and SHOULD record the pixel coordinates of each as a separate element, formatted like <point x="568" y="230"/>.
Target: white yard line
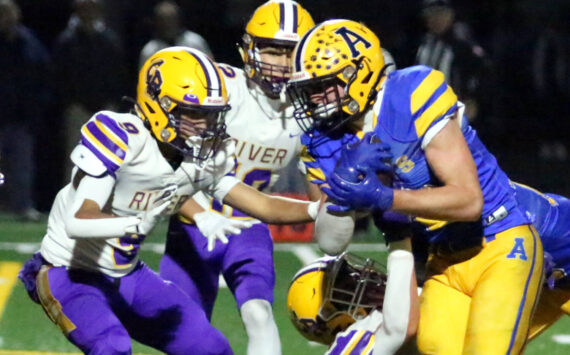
<point x="305" y="253"/>
<point x="561" y="339"/>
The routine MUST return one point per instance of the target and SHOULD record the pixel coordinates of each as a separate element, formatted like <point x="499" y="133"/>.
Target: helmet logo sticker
<point x="154" y="79"/>
<point x="352" y="39"/>
<point x="191" y="98"/>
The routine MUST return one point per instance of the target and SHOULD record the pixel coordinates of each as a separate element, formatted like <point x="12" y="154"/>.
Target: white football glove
<point x="215" y="226"/>
<point x="158" y="208"/>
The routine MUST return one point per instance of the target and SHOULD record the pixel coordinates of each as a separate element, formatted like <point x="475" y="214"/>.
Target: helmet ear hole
<point x="367" y="78"/>
<point x="149" y="108"/>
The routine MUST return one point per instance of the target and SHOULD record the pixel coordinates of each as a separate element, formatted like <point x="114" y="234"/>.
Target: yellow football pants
<point x="480" y="300"/>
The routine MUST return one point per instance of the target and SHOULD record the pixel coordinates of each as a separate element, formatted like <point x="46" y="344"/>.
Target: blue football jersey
<point x="550" y="215"/>
<point x="413" y="103"/>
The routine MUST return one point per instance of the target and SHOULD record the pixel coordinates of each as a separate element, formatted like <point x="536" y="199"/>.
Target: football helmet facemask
<point x="338" y="68"/>
<point x="181" y="95"/>
<point x="277" y="25"/>
<point x="330" y="294"/>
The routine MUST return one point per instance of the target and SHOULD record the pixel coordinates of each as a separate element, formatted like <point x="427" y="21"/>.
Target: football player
<point x="131" y="168"/>
<point x="481" y="242"/>
<point x="267" y="140"/>
<point x="350" y="304"/>
<point x="356" y="324"/>
<point x="550" y="215"/>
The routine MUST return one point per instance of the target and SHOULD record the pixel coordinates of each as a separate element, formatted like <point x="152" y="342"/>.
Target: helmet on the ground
<point x="330" y="294"/>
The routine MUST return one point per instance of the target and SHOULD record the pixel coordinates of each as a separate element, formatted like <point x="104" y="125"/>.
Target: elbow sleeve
<point x="333" y="232"/>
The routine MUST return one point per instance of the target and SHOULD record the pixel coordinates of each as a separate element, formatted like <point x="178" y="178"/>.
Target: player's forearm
<point x="333" y="231"/>
<point x="282" y="210"/>
<point x="450" y="203"/>
<point x="190" y="208"/>
<point x="270" y="209"/>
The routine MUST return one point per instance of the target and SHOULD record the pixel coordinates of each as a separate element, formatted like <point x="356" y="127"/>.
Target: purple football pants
<point x="246" y="263"/>
<point x="100" y="314"/>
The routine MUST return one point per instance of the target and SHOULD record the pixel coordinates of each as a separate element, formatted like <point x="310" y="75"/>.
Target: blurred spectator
<point x="551" y="84"/>
<point x="170" y="32"/>
<point x="447" y="46"/>
<point x="24" y="93"/>
<point x="90" y="69"/>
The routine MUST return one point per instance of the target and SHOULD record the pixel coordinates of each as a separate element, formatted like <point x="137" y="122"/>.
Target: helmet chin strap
<point x="195" y="143"/>
<point x="372" y="95"/>
<point x="282" y="94"/>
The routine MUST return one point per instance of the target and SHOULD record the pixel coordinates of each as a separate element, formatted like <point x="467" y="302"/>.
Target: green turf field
<point x="25" y="330"/>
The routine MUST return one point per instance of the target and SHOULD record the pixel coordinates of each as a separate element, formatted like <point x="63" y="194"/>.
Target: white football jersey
<point x="266" y="135"/>
<point x="122" y="146"/>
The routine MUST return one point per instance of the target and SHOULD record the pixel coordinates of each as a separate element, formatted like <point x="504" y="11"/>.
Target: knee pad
<point x="256" y="313"/>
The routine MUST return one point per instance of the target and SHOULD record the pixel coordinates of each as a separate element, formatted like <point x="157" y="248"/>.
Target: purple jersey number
<point x="131" y="244"/>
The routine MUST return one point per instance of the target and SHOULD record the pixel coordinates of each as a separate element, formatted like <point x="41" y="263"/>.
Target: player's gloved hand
<point x="215" y="226"/>
<point x="367" y="155"/>
<point x="158" y="208"/>
<point x="367" y="194"/>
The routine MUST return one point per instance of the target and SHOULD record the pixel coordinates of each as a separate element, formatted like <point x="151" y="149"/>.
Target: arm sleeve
<point x="396" y="308"/>
<point x="98" y="190"/>
<point x="333" y="232"/>
<point x="224" y="185"/>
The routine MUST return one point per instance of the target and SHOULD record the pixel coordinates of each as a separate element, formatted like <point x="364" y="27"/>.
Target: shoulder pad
<point x="87" y="161"/>
<point x="106" y="140"/>
<point x="415" y="98"/>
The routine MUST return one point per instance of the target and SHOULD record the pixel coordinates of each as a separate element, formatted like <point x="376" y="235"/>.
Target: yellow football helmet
<point x="279" y="24"/>
<point x="330" y="294"/>
<point x="335" y="53"/>
<point x="181" y="81"/>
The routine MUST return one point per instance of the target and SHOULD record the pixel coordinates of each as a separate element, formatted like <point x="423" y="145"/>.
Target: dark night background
<point x="508" y="30"/>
